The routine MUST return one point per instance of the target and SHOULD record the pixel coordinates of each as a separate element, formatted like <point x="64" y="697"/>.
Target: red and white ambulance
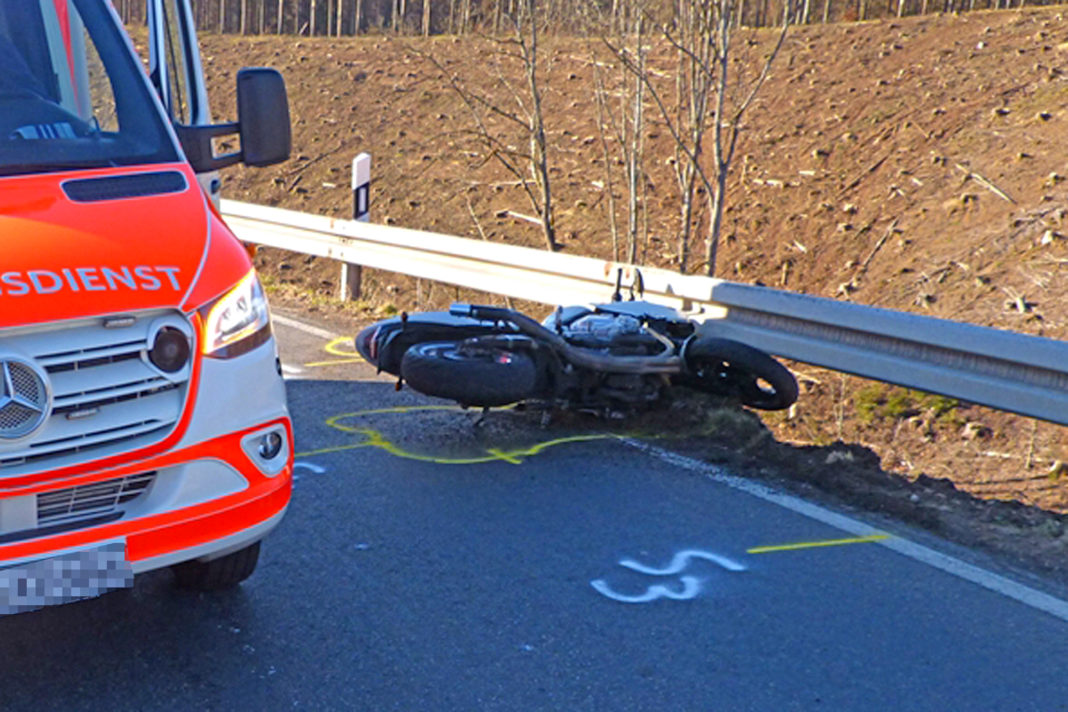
<point x="143" y="419"/>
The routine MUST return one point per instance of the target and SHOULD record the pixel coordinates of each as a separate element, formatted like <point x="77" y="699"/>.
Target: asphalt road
<point x="431" y="563"/>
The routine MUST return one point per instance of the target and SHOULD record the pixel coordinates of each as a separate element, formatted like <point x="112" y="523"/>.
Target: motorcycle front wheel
<point x="733" y="369"/>
<point x="473" y="375"/>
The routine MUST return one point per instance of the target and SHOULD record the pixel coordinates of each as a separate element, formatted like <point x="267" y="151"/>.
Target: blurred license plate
<point x="64" y="578"/>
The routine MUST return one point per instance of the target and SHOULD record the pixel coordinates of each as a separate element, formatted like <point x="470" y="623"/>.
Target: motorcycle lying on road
<point x="604" y="358"/>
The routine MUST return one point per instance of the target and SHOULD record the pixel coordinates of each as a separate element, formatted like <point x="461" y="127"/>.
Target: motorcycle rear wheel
<point x="482" y="376"/>
<point x="737" y="370"/>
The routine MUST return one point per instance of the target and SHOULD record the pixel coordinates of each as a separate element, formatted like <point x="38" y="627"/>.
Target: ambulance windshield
<point x="72" y="95"/>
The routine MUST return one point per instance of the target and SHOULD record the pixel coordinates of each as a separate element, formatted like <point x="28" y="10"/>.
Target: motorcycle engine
<point x="607" y="331"/>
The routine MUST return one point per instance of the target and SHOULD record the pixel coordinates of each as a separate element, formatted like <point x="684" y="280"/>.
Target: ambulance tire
<point x="217" y="574"/>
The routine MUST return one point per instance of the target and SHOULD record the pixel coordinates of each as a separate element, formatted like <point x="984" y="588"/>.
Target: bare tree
<point x="520" y="108"/>
<point x="708" y="97"/>
<point x="734" y="97"/>
<point x="623" y="122"/>
<point x="605" y="126"/>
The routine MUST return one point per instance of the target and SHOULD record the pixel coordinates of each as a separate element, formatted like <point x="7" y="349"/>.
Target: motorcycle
<point x="604" y="358"/>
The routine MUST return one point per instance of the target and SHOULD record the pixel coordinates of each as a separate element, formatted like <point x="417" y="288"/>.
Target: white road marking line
<point x="955" y="567"/>
<point x="291" y="370"/>
<point x="301" y="326"/>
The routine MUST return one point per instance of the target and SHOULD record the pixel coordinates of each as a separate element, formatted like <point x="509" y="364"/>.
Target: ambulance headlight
<point x="238" y="321"/>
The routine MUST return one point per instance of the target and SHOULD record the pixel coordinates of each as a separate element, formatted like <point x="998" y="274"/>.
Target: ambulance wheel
<point x="217" y="574"/>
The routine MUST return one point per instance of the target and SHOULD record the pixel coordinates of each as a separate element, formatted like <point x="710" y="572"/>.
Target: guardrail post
<point x="351" y="274"/>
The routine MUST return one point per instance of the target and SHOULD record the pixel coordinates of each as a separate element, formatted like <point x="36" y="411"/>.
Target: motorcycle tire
<point x="472" y="375"/>
<point x="736" y="370"/>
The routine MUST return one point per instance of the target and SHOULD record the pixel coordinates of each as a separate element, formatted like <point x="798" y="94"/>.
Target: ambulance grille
<point x="106" y="396"/>
<point x="92" y="500"/>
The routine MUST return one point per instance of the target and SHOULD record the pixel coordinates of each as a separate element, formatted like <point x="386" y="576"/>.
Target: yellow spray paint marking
<point x="334" y="349"/>
<point x="375" y="438"/>
<point x="817" y="544"/>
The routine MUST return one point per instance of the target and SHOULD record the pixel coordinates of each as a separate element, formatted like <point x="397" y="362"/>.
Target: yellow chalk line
<point x="817" y="544"/>
<point x="333" y="349"/>
<point x="374" y="438"/>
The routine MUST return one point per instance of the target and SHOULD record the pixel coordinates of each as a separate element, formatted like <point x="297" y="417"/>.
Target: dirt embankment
<point x="917" y="164"/>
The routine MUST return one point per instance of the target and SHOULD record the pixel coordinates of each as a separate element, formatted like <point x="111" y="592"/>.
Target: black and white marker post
<point x="349" y="286"/>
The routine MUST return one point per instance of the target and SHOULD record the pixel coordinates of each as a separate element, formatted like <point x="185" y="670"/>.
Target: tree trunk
<point x="636" y="162"/>
<point x="603" y="124"/>
<point x="426" y="18"/>
<point x="715" y="220"/>
<point x="312" y="12"/>
<point x="538" y="143"/>
<point x="686" y="222"/>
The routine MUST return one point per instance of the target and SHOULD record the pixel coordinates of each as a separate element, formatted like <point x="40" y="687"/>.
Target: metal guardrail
<point x="1002" y="369"/>
<point x="509" y="270"/>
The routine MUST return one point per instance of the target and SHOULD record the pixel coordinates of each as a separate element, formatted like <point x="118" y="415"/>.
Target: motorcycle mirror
<point x="638" y="284"/>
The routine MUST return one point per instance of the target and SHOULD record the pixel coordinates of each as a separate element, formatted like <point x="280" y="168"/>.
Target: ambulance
<point x="143" y="420"/>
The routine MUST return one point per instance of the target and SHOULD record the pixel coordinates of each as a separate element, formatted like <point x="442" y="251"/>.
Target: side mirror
<point x="263" y="115"/>
<point x="263" y="124"/>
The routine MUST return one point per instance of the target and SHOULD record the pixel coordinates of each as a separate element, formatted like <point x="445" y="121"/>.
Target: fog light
<point x="270" y="445"/>
<point x="170" y="352"/>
